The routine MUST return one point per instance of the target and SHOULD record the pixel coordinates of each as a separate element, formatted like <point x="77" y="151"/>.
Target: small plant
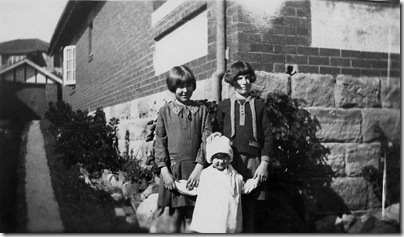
<point x="133" y="167"/>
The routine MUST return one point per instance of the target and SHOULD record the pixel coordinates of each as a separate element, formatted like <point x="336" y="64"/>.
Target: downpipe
<point x="220" y="50"/>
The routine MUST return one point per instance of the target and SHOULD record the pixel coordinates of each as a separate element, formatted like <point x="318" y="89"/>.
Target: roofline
<point x="64" y="18"/>
<point x="32" y="64"/>
<point x="75" y="14"/>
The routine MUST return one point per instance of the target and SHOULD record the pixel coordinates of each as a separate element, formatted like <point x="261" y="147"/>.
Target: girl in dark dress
<point x="244" y="120"/>
<point x="181" y="130"/>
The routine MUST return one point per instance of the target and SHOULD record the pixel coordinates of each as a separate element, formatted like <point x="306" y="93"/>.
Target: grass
<point x="82" y="209"/>
<point x="12" y="173"/>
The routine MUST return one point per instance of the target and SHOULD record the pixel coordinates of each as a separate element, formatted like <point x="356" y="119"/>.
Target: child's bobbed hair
<point x="239" y="69"/>
<point x="180" y="76"/>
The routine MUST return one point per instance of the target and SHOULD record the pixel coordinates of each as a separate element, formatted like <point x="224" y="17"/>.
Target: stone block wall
<point x="354" y="114"/>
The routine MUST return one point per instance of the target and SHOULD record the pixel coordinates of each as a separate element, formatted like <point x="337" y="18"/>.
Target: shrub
<point x="294" y="139"/>
<point x="83" y="138"/>
<point x="59" y="114"/>
<point x="89" y="140"/>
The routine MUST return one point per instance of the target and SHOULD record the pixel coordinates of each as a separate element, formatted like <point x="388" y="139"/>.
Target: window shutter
<point x="69" y="65"/>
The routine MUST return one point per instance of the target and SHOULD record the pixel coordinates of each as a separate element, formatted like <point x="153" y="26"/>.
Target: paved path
<point x="43" y="209"/>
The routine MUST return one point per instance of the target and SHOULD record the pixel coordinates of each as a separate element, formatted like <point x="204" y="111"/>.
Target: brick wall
<point x="120" y="77"/>
<point x="286" y="41"/>
<point x="121" y="69"/>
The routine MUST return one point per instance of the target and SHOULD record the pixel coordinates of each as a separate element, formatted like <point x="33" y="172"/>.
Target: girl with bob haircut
<point x="237" y="69"/>
<point x="181" y="130"/>
<point x="179" y="76"/>
<point x="244" y="120"/>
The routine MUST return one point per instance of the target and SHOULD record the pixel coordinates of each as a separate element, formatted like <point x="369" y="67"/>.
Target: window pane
<point x="69" y="53"/>
<point x="69" y="76"/>
<point x="69" y="65"/>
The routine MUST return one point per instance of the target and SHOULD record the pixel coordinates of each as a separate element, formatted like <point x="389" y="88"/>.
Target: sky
<point x="28" y="19"/>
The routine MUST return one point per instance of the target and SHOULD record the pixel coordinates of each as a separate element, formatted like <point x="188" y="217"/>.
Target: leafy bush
<point x="89" y="140"/>
<point x="59" y="114"/>
<point x="83" y="138"/>
<point x="295" y="143"/>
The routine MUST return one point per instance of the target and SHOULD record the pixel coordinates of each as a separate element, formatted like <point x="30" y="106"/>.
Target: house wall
<point x="120" y="77"/>
<point x="351" y="86"/>
<point x="347" y="85"/>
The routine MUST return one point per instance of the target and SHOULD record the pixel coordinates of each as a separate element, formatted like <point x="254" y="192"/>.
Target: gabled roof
<point x="23" y="46"/>
<point x="32" y="64"/>
<point x="74" y="15"/>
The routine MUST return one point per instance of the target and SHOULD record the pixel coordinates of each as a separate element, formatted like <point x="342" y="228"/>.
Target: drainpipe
<point x="220" y="50"/>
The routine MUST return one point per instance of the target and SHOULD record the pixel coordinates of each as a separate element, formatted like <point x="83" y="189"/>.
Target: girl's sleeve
<point x="160" y="147"/>
<point x="206" y="130"/>
<point x="218" y="123"/>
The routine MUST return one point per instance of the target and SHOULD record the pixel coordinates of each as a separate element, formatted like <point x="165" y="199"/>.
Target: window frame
<point x="66" y="59"/>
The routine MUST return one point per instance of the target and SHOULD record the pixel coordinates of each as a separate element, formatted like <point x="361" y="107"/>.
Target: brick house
<point x="342" y="57"/>
<point x="26" y="82"/>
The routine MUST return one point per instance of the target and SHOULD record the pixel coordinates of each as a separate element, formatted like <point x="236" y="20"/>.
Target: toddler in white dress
<point x="218" y="204"/>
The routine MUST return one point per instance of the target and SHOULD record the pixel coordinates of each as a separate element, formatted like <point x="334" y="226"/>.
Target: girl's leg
<point x="248" y="214"/>
<point x="186" y="213"/>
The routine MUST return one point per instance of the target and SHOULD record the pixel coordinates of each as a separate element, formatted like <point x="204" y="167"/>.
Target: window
<point x="15" y="58"/>
<point x="69" y="65"/>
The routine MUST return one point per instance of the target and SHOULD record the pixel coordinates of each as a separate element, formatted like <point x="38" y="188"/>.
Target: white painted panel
<point x="41" y="79"/>
<point x="355" y="25"/>
<point x="184" y="44"/>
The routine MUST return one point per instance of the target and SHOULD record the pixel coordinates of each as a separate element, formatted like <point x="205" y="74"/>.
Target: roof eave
<point x="32" y="64"/>
<point x="74" y="15"/>
<point x="56" y="39"/>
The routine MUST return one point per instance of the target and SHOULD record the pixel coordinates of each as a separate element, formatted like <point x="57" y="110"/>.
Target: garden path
<point x="42" y="207"/>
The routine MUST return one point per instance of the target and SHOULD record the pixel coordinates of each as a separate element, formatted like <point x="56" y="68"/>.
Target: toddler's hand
<point x="168" y="178"/>
<point x="249" y="185"/>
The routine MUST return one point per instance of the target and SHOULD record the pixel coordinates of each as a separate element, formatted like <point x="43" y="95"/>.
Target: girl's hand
<point x="262" y="172"/>
<point x="193" y="180"/>
<point x="168" y="178"/>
